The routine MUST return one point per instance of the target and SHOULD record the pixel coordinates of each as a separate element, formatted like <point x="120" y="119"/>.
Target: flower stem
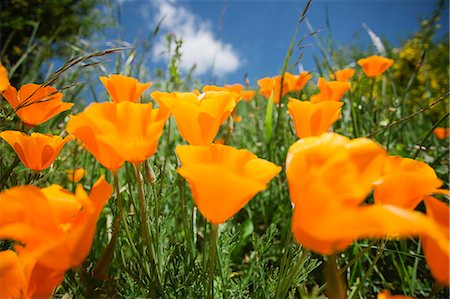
<point x="100" y="271"/>
<point x="212" y="255"/>
<point x="335" y="286"/>
<point x="146" y="234"/>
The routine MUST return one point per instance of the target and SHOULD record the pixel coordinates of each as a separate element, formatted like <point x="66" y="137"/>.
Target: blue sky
<point x="227" y="39"/>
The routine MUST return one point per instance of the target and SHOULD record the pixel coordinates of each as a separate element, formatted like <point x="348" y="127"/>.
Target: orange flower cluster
<point x="290" y="83"/>
<point x="238" y="89"/>
<point x="329" y="178"/>
<point x="54" y="230"/>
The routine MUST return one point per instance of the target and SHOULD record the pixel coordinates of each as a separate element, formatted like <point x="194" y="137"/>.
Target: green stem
<point x="371" y="105"/>
<point x="369" y="271"/>
<point x="212" y="255"/>
<point x="163" y="170"/>
<point x="101" y="269"/>
<point x="8" y="172"/>
<point x="335" y="287"/>
<point x="146" y="234"/>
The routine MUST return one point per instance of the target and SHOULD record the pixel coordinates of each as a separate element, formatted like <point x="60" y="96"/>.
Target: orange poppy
<point x="329" y="178"/>
<point x="297" y="82"/>
<point x="290" y="83"/>
<point x="198" y="117"/>
<point x="34" y="103"/>
<point x="313" y="119"/>
<point x="4" y="82"/>
<point x="405" y="182"/>
<point x="437" y="259"/>
<point x="375" y="65"/>
<point x="442" y="133"/>
<point x="123" y="88"/>
<point x="52" y="225"/>
<point x="117" y="132"/>
<point x="223" y="179"/>
<point x="75" y="175"/>
<point x="241" y="94"/>
<point x="330" y="91"/>
<point x="343" y="75"/>
<point x="38" y="151"/>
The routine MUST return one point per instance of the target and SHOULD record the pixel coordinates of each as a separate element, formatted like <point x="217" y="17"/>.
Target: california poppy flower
<point x="297" y="82"/>
<point x="330" y="91"/>
<point x="241" y="94"/>
<point x="329" y="177"/>
<point x="4" y="82"/>
<point x="442" y="133"/>
<point x="375" y="65"/>
<point x="290" y="83"/>
<point x="343" y="75"/>
<point x="223" y="179"/>
<point x="52" y="225"/>
<point x="36" y="151"/>
<point x="123" y="88"/>
<point x="405" y="182"/>
<point x="313" y="119"/>
<point x="438" y="260"/>
<point x="75" y="175"/>
<point x="34" y="103"/>
<point x="117" y="132"/>
<point x="198" y="117"/>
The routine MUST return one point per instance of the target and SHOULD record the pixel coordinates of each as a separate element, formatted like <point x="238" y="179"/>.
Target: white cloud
<point x="200" y="47"/>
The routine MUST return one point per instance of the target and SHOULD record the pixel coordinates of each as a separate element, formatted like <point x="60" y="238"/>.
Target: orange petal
<point x="12" y="278"/>
<point x="4" y="82"/>
<point x="438" y="258"/>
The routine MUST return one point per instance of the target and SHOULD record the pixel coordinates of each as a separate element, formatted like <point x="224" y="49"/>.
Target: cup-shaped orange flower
<point x="198" y="117"/>
<point x="123" y="88"/>
<point x="290" y="83"/>
<point x="297" y="82"/>
<point x="405" y="182"/>
<point x="375" y="65"/>
<point x="442" y="133"/>
<point x="223" y="179"/>
<point x="330" y="91"/>
<point x="4" y="82"/>
<point x="438" y="260"/>
<point x="343" y="75"/>
<point x="238" y="89"/>
<point x="329" y="177"/>
<point x="75" y="175"/>
<point x="117" y="132"/>
<point x="36" y="151"/>
<point x="52" y="225"/>
<point x="313" y="119"/>
<point x="34" y="103"/>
